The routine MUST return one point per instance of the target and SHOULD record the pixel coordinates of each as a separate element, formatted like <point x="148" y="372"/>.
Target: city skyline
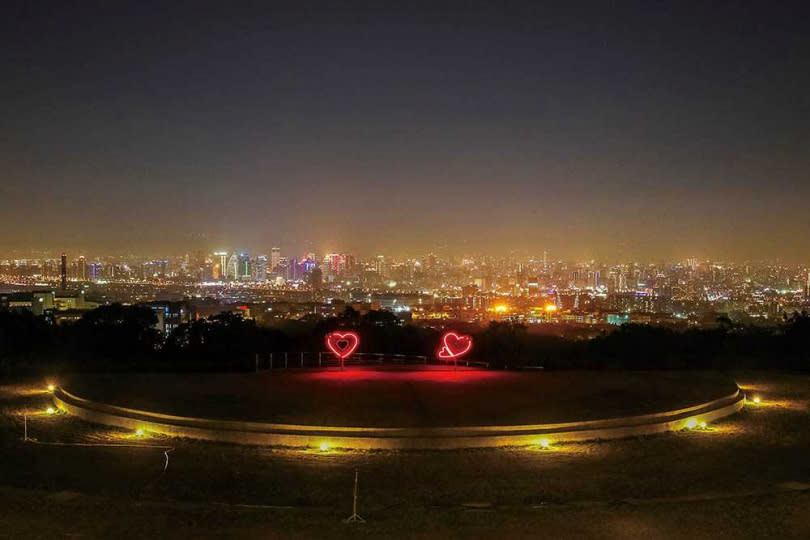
<point x="318" y="255"/>
<point x="592" y="296"/>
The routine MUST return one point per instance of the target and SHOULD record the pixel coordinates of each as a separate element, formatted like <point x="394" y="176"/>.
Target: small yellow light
<point x="51" y="388"/>
<point x="139" y="433"/>
<point x="757" y="399"/>
<point x="545" y="443"/>
<point x="324" y="447"/>
<point x="691" y="423"/>
<point x="703" y="425"/>
<point x="50" y="410"/>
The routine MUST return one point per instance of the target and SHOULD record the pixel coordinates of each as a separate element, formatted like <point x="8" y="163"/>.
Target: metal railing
<point x="325" y="359"/>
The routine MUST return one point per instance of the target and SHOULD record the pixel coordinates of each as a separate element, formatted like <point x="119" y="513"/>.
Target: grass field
<point x="746" y="477"/>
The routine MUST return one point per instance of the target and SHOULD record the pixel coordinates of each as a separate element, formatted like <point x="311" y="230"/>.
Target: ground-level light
<point x="757" y="399"/>
<point x="691" y="423"/>
<point x="51" y="388"/>
<point x="545" y="443"/>
<point x="324" y="447"/>
<point x="50" y="410"/>
<point x="139" y="432"/>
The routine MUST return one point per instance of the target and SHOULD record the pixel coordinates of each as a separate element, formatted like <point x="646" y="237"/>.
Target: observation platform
<point x="397" y="407"/>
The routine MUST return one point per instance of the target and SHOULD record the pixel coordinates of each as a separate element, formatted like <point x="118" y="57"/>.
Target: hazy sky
<point x="631" y="129"/>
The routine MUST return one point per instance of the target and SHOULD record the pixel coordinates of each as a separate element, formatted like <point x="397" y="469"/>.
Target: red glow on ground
<point x="342" y="344"/>
<point x="454" y="346"/>
<point x="441" y="375"/>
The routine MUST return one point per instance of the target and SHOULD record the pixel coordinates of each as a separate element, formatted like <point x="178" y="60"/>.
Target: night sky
<point x="614" y="130"/>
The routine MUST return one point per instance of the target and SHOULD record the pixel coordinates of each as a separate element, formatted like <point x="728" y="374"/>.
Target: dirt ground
<point x="747" y="476"/>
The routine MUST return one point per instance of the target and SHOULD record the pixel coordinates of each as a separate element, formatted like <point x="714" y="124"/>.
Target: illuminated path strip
<point x="257" y="433"/>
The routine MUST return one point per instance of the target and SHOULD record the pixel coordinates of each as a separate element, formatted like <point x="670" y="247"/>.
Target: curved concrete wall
<point x="393" y="438"/>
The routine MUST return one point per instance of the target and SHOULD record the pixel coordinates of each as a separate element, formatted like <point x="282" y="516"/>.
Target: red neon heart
<point x="455" y="345"/>
<point x="342" y="344"/>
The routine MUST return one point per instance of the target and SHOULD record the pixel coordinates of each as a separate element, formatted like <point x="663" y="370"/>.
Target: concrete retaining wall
<point x="393" y="438"/>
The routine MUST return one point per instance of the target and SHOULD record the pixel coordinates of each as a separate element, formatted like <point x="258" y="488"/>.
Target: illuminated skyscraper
<point x="807" y="287"/>
<point x="220" y="265"/>
<point x="232" y="267"/>
<point x="94" y="271"/>
<point x="293" y="270"/>
<point x="64" y="272"/>
<point x="337" y="263"/>
<point x="275" y="258"/>
<point x="81" y="268"/>
<point x="260" y="268"/>
<point x="222" y="258"/>
<point x="243" y="270"/>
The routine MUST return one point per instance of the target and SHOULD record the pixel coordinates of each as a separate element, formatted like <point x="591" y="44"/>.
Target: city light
<point x="757" y="399"/>
<point x="51" y="388"/>
<point x="692" y="423"/>
<point x="324" y="447"/>
<point x="545" y="444"/>
<point x="589" y="294"/>
<point x="50" y="410"/>
<point x="139" y="432"/>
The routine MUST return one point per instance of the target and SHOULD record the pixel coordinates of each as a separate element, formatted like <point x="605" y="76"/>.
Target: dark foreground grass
<point x="744" y="478"/>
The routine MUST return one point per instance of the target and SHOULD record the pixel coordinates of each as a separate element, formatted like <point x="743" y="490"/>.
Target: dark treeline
<point x="117" y="337"/>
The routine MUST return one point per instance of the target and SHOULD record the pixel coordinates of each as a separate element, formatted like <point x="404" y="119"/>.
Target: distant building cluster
<point x="271" y="285"/>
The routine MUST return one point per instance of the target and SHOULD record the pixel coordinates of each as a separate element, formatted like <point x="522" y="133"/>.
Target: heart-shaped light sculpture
<point x="454" y="346"/>
<point x="342" y="344"/>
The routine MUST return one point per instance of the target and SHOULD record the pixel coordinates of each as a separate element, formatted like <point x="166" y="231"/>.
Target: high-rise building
<point x="64" y="272"/>
<point x="379" y="265"/>
<point x="293" y="271"/>
<point x="222" y="258"/>
<point x="232" y="267"/>
<point x="315" y="279"/>
<point x="81" y="268"/>
<point x="220" y="266"/>
<point x="275" y="258"/>
<point x="807" y="286"/>
<point x="260" y="268"/>
<point x="94" y="271"/>
<point x="243" y="270"/>
<point x="282" y="270"/>
<point x="337" y="263"/>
